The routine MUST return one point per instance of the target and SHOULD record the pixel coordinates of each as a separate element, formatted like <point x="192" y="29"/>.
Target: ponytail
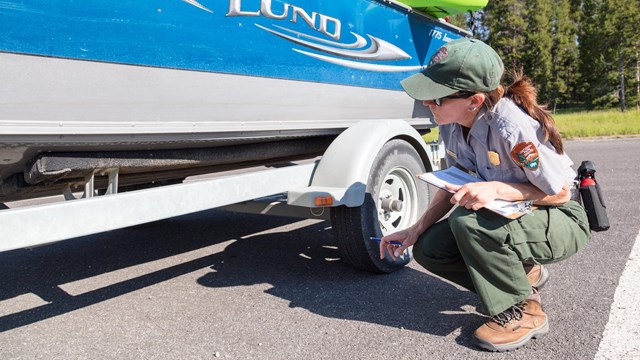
<point x="524" y="94"/>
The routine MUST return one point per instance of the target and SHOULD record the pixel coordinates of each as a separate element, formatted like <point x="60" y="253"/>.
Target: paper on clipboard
<point x="455" y="176"/>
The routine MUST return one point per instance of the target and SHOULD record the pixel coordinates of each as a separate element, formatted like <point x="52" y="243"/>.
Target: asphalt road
<point x="239" y="286"/>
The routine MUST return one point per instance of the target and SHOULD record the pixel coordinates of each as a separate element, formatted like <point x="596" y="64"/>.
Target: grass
<point x="586" y="124"/>
<point x="599" y="123"/>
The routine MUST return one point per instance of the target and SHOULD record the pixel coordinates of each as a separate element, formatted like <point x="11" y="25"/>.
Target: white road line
<point x="620" y="338"/>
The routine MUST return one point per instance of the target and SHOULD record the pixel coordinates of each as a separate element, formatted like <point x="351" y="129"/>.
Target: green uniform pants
<point x="484" y="252"/>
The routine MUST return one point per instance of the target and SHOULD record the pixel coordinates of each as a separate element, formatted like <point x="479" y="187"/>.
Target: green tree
<point x="615" y="15"/>
<point x="564" y="53"/>
<point x="505" y="25"/>
<point x="537" y="50"/>
<point x="625" y="40"/>
<point x="609" y="41"/>
<point x="575" y="51"/>
<point x="471" y="21"/>
<point x="460" y="20"/>
<point x="591" y="60"/>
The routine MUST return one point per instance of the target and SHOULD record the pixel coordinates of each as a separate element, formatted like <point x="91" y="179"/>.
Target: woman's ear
<point x="476" y="101"/>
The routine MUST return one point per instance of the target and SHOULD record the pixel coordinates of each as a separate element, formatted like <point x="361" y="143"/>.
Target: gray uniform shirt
<point x="505" y="144"/>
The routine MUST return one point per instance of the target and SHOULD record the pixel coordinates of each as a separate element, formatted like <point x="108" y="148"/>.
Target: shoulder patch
<point x="438" y="56"/>
<point x="526" y="155"/>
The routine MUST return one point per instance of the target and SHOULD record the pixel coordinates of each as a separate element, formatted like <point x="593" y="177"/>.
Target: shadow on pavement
<point x="302" y="266"/>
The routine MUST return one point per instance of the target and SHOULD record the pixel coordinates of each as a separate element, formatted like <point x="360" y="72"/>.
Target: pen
<point x="392" y="242"/>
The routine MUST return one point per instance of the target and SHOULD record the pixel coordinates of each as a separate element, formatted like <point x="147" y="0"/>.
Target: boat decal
<point x="379" y="49"/>
<point x="198" y="5"/>
<point x="292" y="12"/>
<point x="360" y="40"/>
<point x="361" y="65"/>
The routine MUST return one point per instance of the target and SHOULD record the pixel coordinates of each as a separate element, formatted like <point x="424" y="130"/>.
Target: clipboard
<point x="456" y="176"/>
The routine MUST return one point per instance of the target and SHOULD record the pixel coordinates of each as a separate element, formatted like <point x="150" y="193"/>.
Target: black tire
<point x="392" y="177"/>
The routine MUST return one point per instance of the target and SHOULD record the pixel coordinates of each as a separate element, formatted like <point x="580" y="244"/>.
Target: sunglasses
<point x="458" y="95"/>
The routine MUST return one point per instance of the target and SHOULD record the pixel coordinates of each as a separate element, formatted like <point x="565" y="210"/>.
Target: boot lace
<point x="516" y="312"/>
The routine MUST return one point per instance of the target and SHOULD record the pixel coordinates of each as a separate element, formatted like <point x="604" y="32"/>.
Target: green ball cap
<point x="460" y="65"/>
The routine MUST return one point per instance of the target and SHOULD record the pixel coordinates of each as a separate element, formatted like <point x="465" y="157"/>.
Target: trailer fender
<point x="341" y="174"/>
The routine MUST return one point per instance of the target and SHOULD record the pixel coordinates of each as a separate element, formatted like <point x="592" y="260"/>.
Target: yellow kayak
<point x="445" y="8"/>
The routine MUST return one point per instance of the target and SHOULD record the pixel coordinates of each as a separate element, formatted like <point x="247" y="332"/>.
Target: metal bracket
<point x="89" y="184"/>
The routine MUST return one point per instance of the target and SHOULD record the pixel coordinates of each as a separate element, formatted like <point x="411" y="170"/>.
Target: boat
<point x="162" y="90"/>
<point x="442" y="9"/>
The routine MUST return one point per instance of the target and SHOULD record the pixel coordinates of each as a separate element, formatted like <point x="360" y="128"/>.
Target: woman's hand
<point x="474" y="196"/>
<point x="403" y="239"/>
<point x="396" y="243"/>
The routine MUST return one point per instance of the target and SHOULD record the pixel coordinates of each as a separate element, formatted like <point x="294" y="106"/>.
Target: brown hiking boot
<point x="513" y="328"/>
<point x="537" y="275"/>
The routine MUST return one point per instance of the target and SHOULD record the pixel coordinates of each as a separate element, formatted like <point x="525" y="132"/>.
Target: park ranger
<point x="505" y="138"/>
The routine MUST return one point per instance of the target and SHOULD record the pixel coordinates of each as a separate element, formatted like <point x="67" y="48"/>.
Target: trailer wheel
<point x="394" y="200"/>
